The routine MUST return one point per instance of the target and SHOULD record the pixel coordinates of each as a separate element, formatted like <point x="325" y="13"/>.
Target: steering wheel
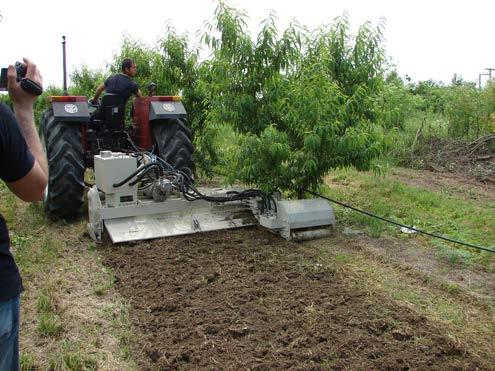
<point x="93" y="104"/>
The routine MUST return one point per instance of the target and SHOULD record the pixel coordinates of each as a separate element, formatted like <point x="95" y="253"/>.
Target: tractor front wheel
<point x="61" y="141"/>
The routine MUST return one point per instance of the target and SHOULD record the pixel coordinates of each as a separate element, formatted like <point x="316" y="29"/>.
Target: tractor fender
<point x="157" y="110"/>
<point x="71" y="111"/>
<point x="166" y="110"/>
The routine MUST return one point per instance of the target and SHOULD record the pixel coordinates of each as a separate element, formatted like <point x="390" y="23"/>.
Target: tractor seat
<point x="111" y="111"/>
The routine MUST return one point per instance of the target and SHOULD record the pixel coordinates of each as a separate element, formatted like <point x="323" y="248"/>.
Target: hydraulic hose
<point x="135" y="173"/>
<point x="402" y="225"/>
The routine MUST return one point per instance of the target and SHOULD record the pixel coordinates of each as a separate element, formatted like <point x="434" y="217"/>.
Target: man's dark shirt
<point x="15" y="162"/>
<point x="122" y="85"/>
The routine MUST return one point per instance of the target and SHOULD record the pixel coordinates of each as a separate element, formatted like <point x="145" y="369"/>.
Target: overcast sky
<point x="425" y="39"/>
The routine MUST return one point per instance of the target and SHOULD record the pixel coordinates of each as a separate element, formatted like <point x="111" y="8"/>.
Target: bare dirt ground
<point x="246" y="299"/>
<point x="455" y="184"/>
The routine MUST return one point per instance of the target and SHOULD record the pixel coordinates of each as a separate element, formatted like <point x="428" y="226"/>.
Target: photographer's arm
<point x="32" y="186"/>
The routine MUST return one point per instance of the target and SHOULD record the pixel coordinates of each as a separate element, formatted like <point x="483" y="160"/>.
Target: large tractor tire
<point x="172" y="138"/>
<point x="64" y="196"/>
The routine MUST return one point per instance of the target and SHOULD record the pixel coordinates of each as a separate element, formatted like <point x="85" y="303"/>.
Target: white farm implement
<point x="139" y="196"/>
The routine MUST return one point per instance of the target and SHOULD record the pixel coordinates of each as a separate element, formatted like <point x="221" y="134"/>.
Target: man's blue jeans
<point x="9" y="335"/>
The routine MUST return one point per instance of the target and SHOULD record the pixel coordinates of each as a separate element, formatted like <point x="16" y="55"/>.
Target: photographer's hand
<point x="21" y="98"/>
<point x="32" y="186"/>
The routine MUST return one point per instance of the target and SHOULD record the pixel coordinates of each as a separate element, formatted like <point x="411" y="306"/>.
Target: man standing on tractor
<point x="121" y="83"/>
<point x="24" y="169"/>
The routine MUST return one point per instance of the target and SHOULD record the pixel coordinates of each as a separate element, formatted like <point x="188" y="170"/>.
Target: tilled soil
<point x="246" y="299"/>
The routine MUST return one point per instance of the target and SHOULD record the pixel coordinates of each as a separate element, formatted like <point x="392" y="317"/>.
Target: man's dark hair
<point x="127" y="63"/>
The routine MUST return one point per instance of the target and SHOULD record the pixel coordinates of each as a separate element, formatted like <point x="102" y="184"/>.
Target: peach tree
<point x="300" y="103"/>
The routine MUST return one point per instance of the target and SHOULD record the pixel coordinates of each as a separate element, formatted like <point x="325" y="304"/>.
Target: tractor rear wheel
<point x="172" y="138"/>
<point x="64" y="152"/>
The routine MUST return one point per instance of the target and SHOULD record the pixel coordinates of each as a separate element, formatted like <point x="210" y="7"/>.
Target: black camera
<point x="21" y="72"/>
<point x="27" y="84"/>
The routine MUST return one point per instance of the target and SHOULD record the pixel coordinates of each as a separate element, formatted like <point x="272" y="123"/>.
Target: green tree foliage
<point x="294" y="104"/>
<point x="397" y="103"/>
<point x="299" y="103"/>
<point x="302" y="103"/>
<point x="462" y="110"/>
<point x="471" y="112"/>
<point x="488" y="108"/>
<point x="148" y="60"/>
<point x="182" y="71"/>
<point x="85" y="81"/>
<point x="282" y="109"/>
<point x="434" y="95"/>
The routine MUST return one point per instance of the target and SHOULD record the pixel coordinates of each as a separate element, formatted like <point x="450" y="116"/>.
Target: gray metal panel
<point x="111" y="168"/>
<point x="71" y="111"/>
<point x="167" y="110"/>
<point x="165" y="225"/>
<point x="306" y="213"/>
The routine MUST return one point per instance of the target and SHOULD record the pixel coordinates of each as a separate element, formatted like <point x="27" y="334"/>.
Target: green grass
<point x="343" y="258"/>
<point x="53" y="336"/>
<point x="451" y="287"/>
<point x="46" y="301"/>
<point x="71" y="358"/>
<point x="455" y="257"/>
<point x="443" y="214"/>
<point x="49" y="325"/>
<point x="401" y="143"/>
<point x="27" y="361"/>
<point x="104" y="280"/>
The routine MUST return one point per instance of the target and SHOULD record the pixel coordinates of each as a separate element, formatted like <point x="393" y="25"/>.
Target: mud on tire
<point x="64" y="152"/>
<point x="172" y="138"/>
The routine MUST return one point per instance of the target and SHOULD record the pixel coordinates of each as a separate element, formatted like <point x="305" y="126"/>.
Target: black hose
<point x="131" y="142"/>
<point x="187" y="188"/>
<point x="144" y="174"/>
<point x="165" y="163"/>
<point x="195" y="194"/>
<point x="135" y="173"/>
<point x="402" y="225"/>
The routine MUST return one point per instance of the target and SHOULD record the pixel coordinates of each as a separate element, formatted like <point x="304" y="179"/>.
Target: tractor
<point x="72" y="136"/>
<point x="144" y="183"/>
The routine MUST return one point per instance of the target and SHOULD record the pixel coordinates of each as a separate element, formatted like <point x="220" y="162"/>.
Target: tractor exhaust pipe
<point x="65" y="66"/>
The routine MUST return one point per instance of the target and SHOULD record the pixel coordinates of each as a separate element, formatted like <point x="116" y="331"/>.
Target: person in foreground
<point x="23" y="167"/>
